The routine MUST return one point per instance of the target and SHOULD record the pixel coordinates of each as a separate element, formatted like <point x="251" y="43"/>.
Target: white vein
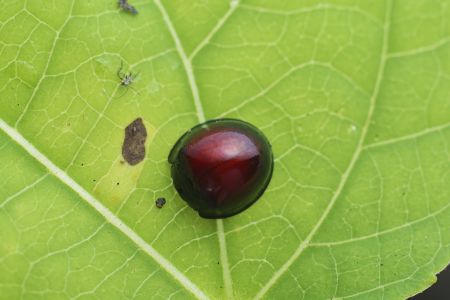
<point x="100" y="208"/>
<point x="409" y="136"/>
<point x="418" y="269"/>
<point x="311" y="9"/>
<point x="219" y="25"/>
<point x="359" y="148"/>
<point x="286" y="75"/>
<point x="421" y="50"/>
<point x="201" y="118"/>
<point x="44" y="73"/>
<point x="25" y="189"/>
<point x="383" y="232"/>
<point x="186" y="62"/>
<point x="227" y="281"/>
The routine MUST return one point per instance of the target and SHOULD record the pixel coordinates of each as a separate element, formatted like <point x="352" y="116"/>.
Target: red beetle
<point x="221" y="167"/>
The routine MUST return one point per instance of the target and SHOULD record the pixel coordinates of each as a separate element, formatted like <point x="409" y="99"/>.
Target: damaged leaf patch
<point x="133" y="148"/>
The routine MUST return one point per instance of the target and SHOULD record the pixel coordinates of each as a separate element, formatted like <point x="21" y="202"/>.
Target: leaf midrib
<point x="187" y="63"/>
<point x="101" y="209"/>
<point x="96" y="204"/>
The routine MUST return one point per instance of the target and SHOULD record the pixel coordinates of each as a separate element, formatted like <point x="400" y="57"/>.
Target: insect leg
<point x="134" y="75"/>
<point x="119" y="71"/>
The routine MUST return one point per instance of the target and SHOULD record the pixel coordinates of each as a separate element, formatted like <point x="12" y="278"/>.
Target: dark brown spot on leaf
<point x="160" y="202"/>
<point x="133" y="148"/>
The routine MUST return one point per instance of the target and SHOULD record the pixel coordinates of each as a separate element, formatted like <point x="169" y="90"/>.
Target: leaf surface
<point x="353" y="96"/>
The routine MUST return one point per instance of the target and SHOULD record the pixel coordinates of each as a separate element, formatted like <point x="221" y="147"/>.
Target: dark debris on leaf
<point x="160" y="202"/>
<point x="125" y="6"/>
<point x="133" y="148"/>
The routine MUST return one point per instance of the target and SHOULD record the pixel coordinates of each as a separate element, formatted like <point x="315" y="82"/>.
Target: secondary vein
<point x="100" y="208"/>
<point x="201" y="118"/>
<point x="359" y="148"/>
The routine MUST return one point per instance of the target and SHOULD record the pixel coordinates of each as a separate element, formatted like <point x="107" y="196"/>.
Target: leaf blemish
<point x="160" y="202"/>
<point x="133" y="148"/>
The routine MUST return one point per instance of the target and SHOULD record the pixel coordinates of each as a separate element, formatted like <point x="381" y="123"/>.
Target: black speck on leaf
<point x="160" y="202"/>
<point x="125" y="6"/>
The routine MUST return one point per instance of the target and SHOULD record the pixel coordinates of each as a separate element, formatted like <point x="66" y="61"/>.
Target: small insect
<point x="160" y="202"/>
<point x="126" y="79"/>
<point x="124" y="5"/>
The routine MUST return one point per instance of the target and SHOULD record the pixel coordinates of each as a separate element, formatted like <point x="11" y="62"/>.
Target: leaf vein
<point x="219" y="25"/>
<point x="44" y="73"/>
<point x="359" y="148"/>
<point x="201" y="118"/>
<point x="101" y="209"/>
<point x="383" y="232"/>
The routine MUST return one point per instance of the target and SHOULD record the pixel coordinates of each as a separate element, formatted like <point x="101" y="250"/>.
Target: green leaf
<point x="352" y="94"/>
